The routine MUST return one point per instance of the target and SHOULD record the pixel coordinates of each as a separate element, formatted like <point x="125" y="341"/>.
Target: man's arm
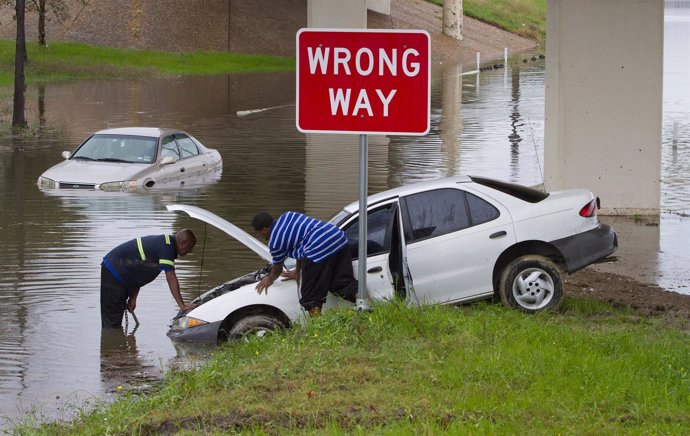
<point x="174" y="286"/>
<point x="132" y="302"/>
<point x="269" y="279"/>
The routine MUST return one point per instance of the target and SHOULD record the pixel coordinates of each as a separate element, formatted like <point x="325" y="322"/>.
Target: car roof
<point x="153" y="132"/>
<point x="409" y="189"/>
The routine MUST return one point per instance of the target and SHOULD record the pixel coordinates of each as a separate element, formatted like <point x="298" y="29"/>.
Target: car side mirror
<point x="168" y="160"/>
<point x="66" y="154"/>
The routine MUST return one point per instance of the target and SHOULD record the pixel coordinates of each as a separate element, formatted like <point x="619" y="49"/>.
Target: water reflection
<point x="122" y="368"/>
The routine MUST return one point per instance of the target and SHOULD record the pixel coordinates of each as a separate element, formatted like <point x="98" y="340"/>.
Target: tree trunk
<point x="18" y="117"/>
<point x="42" y="23"/>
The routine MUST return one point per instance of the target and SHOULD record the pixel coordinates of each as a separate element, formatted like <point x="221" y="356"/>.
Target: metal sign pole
<point x="362" y="253"/>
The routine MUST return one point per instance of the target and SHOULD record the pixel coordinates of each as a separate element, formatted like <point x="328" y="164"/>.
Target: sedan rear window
<point x="524" y="193"/>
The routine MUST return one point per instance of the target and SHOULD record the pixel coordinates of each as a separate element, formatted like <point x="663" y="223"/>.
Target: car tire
<point x="254" y="325"/>
<point x="531" y="283"/>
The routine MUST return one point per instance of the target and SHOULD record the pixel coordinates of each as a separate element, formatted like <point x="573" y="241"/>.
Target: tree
<point x="18" y="117"/>
<point x="43" y="8"/>
<point x="58" y="8"/>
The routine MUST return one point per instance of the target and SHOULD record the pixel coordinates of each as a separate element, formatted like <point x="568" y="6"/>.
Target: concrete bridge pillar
<point x="328" y="187"/>
<point x="604" y="74"/>
<point x="452" y="18"/>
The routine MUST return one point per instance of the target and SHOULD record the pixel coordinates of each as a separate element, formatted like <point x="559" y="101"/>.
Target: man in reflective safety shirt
<point x="322" y="255"/>
<point x="129" y="266"/>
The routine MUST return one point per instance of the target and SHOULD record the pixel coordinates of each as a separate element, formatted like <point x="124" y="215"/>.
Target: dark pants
<point x="113" y="299"/>
<point x="333" y="274"/>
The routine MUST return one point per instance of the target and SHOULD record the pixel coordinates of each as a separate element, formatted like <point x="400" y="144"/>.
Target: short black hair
<point x="261" y="220"/>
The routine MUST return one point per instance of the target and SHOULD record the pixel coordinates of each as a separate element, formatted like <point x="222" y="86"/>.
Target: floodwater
<point x="54" y="359"/>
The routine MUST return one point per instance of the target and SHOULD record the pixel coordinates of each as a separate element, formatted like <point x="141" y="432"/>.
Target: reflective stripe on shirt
<point x="141" y="249"/>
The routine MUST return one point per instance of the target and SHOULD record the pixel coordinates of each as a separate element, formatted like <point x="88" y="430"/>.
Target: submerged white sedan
<point x="446" y="241"/>
<point x="132" y="158"/>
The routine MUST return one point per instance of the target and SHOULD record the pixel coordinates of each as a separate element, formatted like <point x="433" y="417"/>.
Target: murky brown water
<point x="53" y="357"/>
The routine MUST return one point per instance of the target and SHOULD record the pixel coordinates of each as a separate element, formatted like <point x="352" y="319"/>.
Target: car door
<point x="381" y="220"/>
<point x="453" y="239"/>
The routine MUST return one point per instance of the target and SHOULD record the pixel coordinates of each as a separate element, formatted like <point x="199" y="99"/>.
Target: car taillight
<point x="590" y="209"/>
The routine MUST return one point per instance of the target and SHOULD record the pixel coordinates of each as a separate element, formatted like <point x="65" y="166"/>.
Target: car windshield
<point x="118" y="148"/>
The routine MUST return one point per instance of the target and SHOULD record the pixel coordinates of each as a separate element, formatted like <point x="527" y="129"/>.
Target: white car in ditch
<point x="446" y="241"/>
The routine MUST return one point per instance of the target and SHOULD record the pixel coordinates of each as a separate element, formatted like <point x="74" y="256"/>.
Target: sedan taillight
<point x="590" y="209"/>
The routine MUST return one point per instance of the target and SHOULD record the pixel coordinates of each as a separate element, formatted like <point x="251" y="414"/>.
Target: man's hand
<point x="131" y="304"/>
<point x="187" y="307"/>
<point x="264" y="284"/>
<point x="292" y="274"/>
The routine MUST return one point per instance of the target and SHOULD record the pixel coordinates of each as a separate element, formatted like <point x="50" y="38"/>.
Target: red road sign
<point x="363" y="81"/>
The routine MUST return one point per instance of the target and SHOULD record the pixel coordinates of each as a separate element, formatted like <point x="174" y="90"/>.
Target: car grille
<point x="72" y="185"/>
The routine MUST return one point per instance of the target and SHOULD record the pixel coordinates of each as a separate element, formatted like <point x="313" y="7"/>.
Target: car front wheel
<point x="531" y="283"/>
<point x="254" y="325"/>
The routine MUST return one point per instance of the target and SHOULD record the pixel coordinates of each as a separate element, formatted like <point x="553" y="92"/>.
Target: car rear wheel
<point x="531" y="283"/>
<point x="254" y="325"/>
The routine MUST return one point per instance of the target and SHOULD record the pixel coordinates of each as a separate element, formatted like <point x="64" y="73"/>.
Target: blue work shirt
<point x="299" y="236"/>
<point x="139" y="261"/>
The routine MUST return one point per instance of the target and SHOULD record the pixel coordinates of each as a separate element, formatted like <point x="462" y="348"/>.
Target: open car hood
<point x="232" y="230"/>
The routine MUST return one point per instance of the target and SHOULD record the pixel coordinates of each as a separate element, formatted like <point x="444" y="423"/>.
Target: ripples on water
<point x="51" y="348"/>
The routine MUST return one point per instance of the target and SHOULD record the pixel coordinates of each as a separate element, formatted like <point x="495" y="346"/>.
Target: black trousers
<point x="333" y="274"/>
<point x="113" y="299"/>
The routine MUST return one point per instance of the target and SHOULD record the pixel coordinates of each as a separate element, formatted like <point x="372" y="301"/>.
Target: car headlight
<point x="44" y="182"/>
<point x="186" y="322"/>
<point x="119" y="186"/>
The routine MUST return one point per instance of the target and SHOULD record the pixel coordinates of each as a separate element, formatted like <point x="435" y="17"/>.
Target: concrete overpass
<point x="604" y="92"/>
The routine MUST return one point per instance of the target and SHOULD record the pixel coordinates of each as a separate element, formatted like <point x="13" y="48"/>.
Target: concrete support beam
<point x="452" y="18"/>
<point x="604" y="73"/>
<point x="350" y="14"/>
<point x="380" y="6"/>
<point x="342" y="180"/>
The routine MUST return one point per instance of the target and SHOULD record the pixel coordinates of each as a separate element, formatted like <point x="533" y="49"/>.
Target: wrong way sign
<point x="367" y="81"/>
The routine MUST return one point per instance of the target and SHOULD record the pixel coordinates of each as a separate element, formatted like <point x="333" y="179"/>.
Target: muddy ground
<point x="621" y="291"/>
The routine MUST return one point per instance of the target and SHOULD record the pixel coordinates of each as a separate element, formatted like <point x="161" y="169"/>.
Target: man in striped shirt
<point x="129" y="266"/>
<point x="324" y="262"/>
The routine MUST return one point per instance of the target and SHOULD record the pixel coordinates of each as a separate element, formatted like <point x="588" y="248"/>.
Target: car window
<point x="169" y="148"/>
<point x="480" y="211"/>
<point x="118" y="148"/>
<point x="377" y="225"/>
<point x="187" y="146"/>
<point x="435" y="213"/>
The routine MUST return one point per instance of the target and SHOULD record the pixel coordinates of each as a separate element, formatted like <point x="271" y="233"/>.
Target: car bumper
<point x="207" y="333"/>
<point x="585" y="248"/>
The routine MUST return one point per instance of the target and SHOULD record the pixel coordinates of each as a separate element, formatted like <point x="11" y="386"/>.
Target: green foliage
<point x="482" y="368"/>
<point x="522" y="17"/>
<point x="63" y="61"/>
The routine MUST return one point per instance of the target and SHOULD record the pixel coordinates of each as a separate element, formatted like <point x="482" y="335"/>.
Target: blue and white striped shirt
<point x="299" y="236"/>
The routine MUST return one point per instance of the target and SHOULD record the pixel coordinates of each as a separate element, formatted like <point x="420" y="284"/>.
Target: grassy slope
<point x="62" y="60"/>
<point x="523" y="17"/>
<point x="589" y="369"/>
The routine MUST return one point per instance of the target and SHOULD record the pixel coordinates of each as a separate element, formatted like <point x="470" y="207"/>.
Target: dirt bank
<point x="643" y="299"/>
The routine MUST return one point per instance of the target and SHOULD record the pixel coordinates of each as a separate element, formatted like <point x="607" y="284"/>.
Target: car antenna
<point x="536" y="153"/>
<point x="201" y="269"/>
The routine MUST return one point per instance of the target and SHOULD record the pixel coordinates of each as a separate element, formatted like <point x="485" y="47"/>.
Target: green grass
<point x="523" y="17"/>
<point x="62" y="60"/>
<point x="480" y="369"/>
